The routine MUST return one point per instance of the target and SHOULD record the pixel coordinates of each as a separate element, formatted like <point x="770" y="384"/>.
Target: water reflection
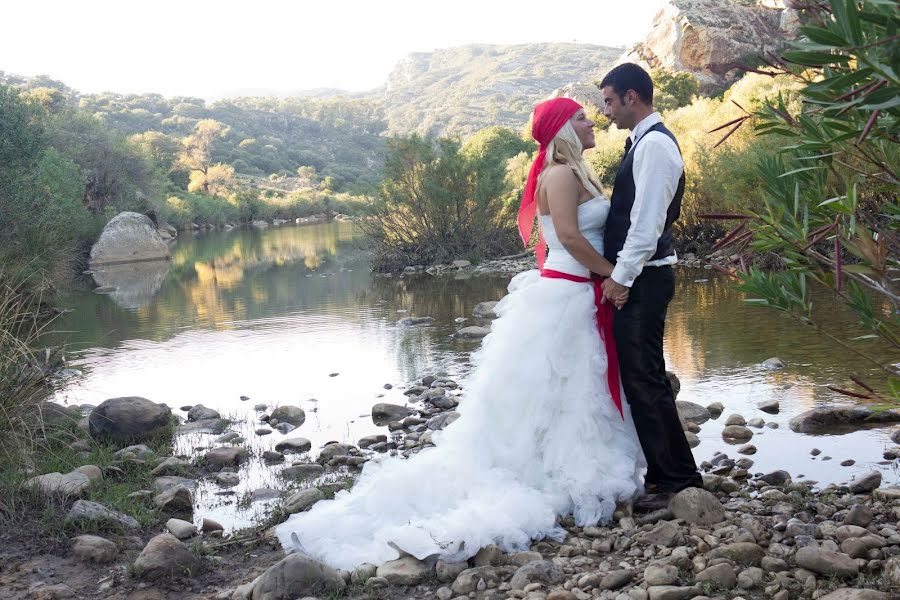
<point x="133" y="285"/>
<point x="275" y="314"/>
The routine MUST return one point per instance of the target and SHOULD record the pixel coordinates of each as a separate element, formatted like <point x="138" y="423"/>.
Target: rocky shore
<point x="748" y="534"/>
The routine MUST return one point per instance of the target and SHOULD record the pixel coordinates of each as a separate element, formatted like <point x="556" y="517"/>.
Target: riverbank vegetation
<point x="827" y="205"/>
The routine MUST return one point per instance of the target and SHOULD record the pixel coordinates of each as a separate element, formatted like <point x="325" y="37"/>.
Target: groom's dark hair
<point x="629" y="76"/>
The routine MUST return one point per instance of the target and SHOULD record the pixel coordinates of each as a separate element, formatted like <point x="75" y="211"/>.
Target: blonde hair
<point x="566" y="149"/>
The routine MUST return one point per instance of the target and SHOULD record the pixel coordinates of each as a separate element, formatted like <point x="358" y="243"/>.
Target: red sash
<point x="604" y="326"/>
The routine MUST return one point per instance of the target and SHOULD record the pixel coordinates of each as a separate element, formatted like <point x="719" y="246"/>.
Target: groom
<point x="646" y="200"/>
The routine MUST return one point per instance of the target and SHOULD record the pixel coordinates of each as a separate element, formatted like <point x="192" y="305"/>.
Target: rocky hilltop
<point x="711" y="38"/>
<point x="464" y="89"/>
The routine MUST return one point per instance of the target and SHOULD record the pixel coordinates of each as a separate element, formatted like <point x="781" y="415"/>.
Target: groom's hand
<point x="614" y="293"/>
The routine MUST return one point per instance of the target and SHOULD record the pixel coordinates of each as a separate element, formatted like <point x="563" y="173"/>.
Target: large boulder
<point x="129" y="237"/>
<point x="842" y="419"/>
<point x="297" y="576"/>
<point x="128" y="419"/>
<point x="711" y="38"/>
<point x="166" y="557"/>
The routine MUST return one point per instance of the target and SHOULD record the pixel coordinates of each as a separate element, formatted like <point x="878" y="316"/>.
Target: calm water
<point x="292" y="315"/>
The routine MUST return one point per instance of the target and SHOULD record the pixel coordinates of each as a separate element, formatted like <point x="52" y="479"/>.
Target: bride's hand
<point x="621" y="299"/>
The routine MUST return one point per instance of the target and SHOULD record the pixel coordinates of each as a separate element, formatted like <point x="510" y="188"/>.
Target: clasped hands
<point x="614" y="293"/>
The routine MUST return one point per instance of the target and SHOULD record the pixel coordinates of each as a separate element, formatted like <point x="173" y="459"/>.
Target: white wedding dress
<point x="538" y="436"/>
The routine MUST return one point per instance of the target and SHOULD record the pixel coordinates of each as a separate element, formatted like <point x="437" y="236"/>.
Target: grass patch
<point x="61" y="450"/>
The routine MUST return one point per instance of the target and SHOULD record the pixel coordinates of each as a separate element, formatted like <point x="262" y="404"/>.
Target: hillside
<point x="464" y="89"/>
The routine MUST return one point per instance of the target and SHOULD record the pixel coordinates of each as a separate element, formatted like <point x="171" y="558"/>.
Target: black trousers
<point x="639" y="329"/>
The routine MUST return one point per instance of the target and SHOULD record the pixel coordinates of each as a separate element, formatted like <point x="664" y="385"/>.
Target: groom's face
<point x="617" y="108"/>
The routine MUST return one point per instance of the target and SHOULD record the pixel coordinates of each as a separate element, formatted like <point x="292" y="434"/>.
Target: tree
<point x="438" y="202"/>
<point x="197" y="148"/>
<point x="830" y="208"/>
<point x="673" y="90"/>
<point x="162" y="148"/>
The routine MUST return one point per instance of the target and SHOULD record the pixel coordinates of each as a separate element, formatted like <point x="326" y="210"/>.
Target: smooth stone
<point x="715" y="409"/>
<point x="692" y="439"/>
<point x="95" y="549"/>
<point x="859" y="514"/>
<point x="744" y="553"/>
<point x="735" y="419"/>
<point x="617" y="579"/>
<point x="298" y="576"/>
<point x="842" y="419"/>
<point x="128" y="418"/>
<point x="866" y="482"/>
<point x="748" y="449"/>
<point x="825" y="562"/>
<point x="263" y="430"/>
<point x="695" y="413"/>
<point x="166" y="557"/>
<point x="467" y="581"/>
<point x="332" y="450"/>
<point x="225" y="456"/>
<point x="671" y="592"/>
<point x="228" y="479"/>
<point x="289" y="414"/>
<point x="177" y="499"/>
<point x="303" y="471"/>
<point x="855" y="594"/>
<point x="776" y="478"/>
<point x="361" y="574"/>
<point x="697" y="506"/>
<point x="171" y="466"/>
<point x="721" y="574"/>
<point x="539" y="571"/>
<point x="737" y="432"/>
<point x="297" y="444"/>
<point x="371" y="439"/>
<point x="773" y="364"/>
<point x="85" y="510"/>
<point x="181" y="529"/>
<point x="661" y="575"/>
<point x="449" y="571"/>
<point x="202" y="413"/>
<point x="70" y="485"/>
<point x="135" y="452"/>
<point x="756" y="423"/>
<point x="404" y="571"/>
<point x="210" y="525"/>
<point x="301" y="500"/>
<point x="384" y="413"/>
<point x="271" y="456"/>
<point x="769" y="406"/>
<point x="485" y="310"/>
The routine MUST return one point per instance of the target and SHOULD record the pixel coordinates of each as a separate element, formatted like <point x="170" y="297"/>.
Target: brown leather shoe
<point x="652" y="502"/>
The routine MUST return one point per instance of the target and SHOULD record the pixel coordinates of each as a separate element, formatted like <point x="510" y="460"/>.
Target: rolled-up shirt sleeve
<point x="657" y="167"/>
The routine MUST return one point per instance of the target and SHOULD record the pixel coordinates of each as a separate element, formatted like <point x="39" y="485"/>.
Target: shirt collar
<point x="642" y="127"/>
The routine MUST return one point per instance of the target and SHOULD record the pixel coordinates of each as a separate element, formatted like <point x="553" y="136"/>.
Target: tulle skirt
<point x="538" y="436"/>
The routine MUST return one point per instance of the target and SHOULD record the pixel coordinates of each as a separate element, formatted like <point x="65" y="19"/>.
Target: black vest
<point x="619" y="220"/>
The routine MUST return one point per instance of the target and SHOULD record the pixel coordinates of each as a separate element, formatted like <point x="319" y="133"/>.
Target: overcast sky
<point x="208" y="49"/>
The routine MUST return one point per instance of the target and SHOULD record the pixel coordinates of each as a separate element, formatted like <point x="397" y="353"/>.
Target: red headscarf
<point x="549" y="118"/>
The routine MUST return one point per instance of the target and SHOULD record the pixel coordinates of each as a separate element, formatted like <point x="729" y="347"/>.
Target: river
<point x="292" y="315"/>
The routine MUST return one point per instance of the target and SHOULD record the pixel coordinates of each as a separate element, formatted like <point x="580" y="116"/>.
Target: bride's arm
<point x="561" y="189"/>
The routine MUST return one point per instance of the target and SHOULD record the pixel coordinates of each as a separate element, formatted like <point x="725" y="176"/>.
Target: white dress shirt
<point x="657" y="166"/>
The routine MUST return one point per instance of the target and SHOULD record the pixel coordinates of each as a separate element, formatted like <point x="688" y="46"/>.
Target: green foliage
<point x="830" y="194"/>
<point x="440" y="201"/>
<point x="673" y="90"/>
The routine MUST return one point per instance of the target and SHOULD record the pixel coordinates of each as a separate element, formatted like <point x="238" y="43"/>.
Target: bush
<point x="439" y="202"/>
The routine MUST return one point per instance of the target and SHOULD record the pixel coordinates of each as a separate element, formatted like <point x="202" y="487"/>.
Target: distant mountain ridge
<point x="463" y="89"/>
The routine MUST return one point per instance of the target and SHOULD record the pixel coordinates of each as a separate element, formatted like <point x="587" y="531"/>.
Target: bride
<point x="543" y="429"/>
